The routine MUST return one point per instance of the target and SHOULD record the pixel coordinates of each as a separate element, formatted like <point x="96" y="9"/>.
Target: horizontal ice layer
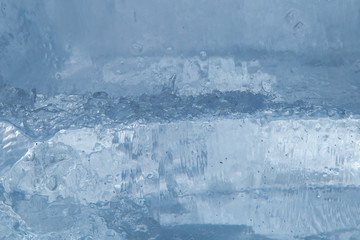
<point x="133" y="28"/>
<point x="263" y="174"/>
<point x="40" y="117"/>
<point x="284" y="77"/>
<point x="296" y="50"/>
<point x="190" y="76"/>
<point x="248" y="153"/>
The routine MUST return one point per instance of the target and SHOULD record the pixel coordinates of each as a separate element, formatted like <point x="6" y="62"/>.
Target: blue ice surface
<point x="182" y="119"/>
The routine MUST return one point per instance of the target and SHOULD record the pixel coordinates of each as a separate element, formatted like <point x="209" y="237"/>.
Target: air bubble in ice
<point x="51" y="183"/>
<point x="298" y="26"/>
<point x="266" y="85"/>
<point x="58" y="76"/>
<point x="203" y="55"/>
<point x="29" y="156"/>
<point x="136" y="48"/>
<point x="109" y="178"/>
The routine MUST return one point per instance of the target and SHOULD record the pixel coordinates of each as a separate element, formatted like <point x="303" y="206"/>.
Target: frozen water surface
<point x="180" y="119"/>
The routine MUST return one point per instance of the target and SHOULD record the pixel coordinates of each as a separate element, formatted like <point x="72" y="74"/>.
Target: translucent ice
<point x="179" y="119"/>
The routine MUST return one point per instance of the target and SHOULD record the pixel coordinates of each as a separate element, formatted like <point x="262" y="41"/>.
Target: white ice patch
<point x="83" y="140"/>
<point x="194" y="75"/>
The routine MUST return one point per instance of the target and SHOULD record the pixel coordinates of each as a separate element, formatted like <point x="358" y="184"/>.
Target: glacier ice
<point x="179" y="120"/>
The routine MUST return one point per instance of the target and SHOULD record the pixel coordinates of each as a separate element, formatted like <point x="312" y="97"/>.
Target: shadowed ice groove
<point x="48" y="115"/>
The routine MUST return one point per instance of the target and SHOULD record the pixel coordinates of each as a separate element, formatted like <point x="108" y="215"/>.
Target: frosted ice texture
<point x="179" y="119"/>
